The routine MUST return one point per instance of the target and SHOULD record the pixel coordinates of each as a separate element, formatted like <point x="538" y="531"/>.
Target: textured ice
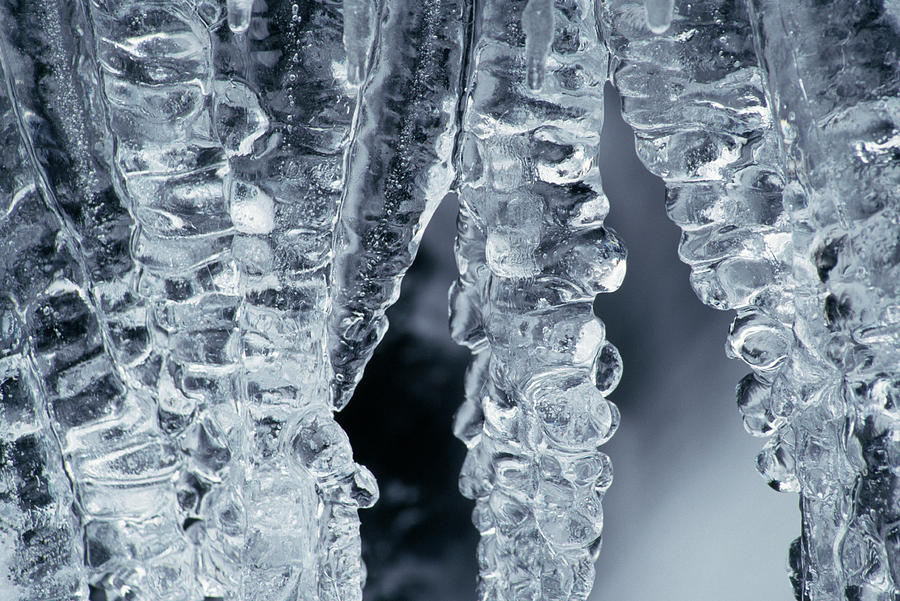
<point x="398" y="170"/>
<point x="187" y="383"/>
<point x="780" y="158"/>
<point x="206" y="207"/>
<point x="532" y="252"/>
<point x="833" y="69"/>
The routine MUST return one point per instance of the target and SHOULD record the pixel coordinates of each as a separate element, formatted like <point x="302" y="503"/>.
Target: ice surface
<point x="206" y="207"/>
<point x="69" y="283"/>
<point x="537" y="24"/>
<point x="40" y="540"/>
<point x="831" y="68"/>
<point x="779" y="179"/>
<point x="532" y="252"/>
<point x="359" y="25"/>
<point x="239" y="15"/>
<point x="186" y="382"/>
<point x="398" y="170"/>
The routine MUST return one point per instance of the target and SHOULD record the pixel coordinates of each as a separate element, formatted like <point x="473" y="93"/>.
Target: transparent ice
<point x="398" y="170"/>
<point x="207" y="206"/>
<point x="775" y="127"/>
<point x="532" y="253"/>
<point x="182" y="187"/>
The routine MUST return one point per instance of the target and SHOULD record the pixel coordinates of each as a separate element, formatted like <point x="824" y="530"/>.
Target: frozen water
<point x="206" y="207"/>
<point x="359" y="22"/>
<point x="538" y="26"/>
<point x="239" y="14"/>
<point x="838" y="120"/>
<point x="398" y="170"/>
<point x="204" y="462"/>
<point x="531" y="257"/>
<point x="659" y="14"/>
<point x="780" y="186"/>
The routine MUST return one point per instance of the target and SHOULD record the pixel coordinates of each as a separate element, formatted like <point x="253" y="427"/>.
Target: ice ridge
<point x="532" y="253"/>
<point x="781" y="167"/>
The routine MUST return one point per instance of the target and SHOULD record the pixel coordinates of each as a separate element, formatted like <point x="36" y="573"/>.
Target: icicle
<point x="218" y="172"/>
<point x="791" y="242"/>
<point x="398" y="170"/>
<point x="659" y="14"/>
<point x="532" y="254"/>
<point x="86" y="331"/>
<point x="41" y="540"/>
<point x="537" y="22"/>
<point x="737" y="237"/>
<point x="239" y="15"/>
<point x="358" y="29"/>
<point x="840" y="143"/>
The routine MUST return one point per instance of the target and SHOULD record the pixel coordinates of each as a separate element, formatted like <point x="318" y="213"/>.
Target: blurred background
<point x="687" y="517"/>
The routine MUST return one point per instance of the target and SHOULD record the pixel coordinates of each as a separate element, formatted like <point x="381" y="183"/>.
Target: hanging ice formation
<point x="832" y="68"/>
<point x="206" y="207"/>
<point x="398" y="170"/>
<point x="188" y="388"/>
<point x="784" y="180"/>
<point x="532" y="253"/>
<point x="77" y="332"/>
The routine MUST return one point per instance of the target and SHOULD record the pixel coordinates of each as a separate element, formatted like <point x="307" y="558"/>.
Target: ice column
<point x="398" y="170"/>
<point x="696" y="99"/>
<point x="532" y="253"/>
<point x="229" y="129"/>
<point x="69" y="278"/>
<point x="40" y="538"/>
<point x="806" y="263"/>
<point x="832" y="68"/>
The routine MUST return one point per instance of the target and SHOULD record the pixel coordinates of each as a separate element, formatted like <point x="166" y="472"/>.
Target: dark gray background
<point x="687" y="517"/>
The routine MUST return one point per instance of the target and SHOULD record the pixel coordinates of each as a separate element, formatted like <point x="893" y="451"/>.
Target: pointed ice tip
<point x="341" y="392"/>
<point x="659" y="15"/>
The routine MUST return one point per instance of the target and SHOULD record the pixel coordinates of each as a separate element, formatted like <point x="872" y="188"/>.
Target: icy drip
<point x="235" y="265"/>
<point x="659" y="14"/>
<point x="359" y="26"/>
<point x="537" y="25"/>
<point x="287" y="260"/>
<point x="63" y="124"/>
<point x="239" y="15"/>
<point x="832" y="66"/>
<point x="398" y="170"/>
<point x="532" y="254"/>
<point x="83" y="325"/>
<point x="716" y="149"/>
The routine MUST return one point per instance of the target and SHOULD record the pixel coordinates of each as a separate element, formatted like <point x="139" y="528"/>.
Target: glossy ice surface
<point x="780" y="155"/>
<point x="172" y="325"/>
<point x="207" y="206"/>
<point x="532" y="253"/>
